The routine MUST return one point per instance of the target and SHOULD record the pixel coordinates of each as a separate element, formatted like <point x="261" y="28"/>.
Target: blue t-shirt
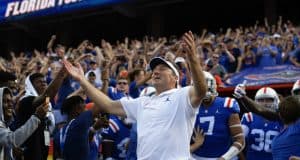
<point x="260" y="136"/>
<point x="236" y="52"/>
<point x="77" y="137"/>
<point x="135" y="91"/>
<point x="48" y="76"/>
<point x="266" y="59"/>
<point x="183" y="77"/>
<point x="278" y="56"/>
<point x="63" y="92"/>
<point x="287" y="143"/>
<point x="214" y="121"/>
<point x="295" y="40"/>
<point x="119" y="133"/>
<point x="224" y="60"/>
<point x="296" y="54"/>
<point x="115" y="94"/>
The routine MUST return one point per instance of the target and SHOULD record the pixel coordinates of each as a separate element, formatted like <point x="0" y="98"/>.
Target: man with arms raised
<point x="161" y="117"/>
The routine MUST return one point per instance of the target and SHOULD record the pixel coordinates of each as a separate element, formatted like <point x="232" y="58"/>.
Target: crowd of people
<point x="151" y="99"/>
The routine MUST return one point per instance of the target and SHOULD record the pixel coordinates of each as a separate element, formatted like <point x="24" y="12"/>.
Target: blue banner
<point x="265" y="76"/>
<point x="11" y="10"/>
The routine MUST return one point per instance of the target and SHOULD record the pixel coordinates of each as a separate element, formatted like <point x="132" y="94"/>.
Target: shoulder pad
<point x="231" y="104"/>
<point x="248" y="117"/>
<point x="228" y="102"/>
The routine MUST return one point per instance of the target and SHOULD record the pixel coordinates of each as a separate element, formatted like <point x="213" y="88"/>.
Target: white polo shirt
<point x="164" y="124"/>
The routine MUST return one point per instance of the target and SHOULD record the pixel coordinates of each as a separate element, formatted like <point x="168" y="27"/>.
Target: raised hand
<point x="189" y="45"/>
<point x="53" y="37"/>
<point x="75" y="71"/>
<point x="105" y="73"/>
<point x="240" y="90"/>
<point x="42" y="110"/>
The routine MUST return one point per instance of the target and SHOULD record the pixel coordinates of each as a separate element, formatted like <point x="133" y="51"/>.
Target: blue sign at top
<point x="20" y="9"/>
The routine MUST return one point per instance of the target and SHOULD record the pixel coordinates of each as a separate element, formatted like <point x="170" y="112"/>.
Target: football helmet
<point x="267" y="93"/>
<point x="211" y="85"/>
<point x="296" y="88"/>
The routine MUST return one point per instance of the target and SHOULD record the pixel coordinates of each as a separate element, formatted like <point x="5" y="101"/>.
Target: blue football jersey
<point x="119" y="133"/>
<point x="287" y="143"/>
<point x="131" y="152"/>
<point x="214" y="121"/>
<point x="259" y="134"/>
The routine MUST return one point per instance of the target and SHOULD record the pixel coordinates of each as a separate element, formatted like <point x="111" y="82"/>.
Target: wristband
<point x="233" y="151"/>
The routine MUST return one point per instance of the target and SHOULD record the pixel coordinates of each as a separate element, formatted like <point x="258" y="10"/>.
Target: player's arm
<point x="237" y="135"/>
<point x="252" y="106"/>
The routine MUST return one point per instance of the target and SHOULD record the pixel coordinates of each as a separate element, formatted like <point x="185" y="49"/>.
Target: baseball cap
<point x="276" y="35"/>
<point x="157" y="60"/>
<point x="179" y="59"/>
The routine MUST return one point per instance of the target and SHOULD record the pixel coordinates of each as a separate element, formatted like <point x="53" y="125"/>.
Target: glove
<point x="239" y="91"/>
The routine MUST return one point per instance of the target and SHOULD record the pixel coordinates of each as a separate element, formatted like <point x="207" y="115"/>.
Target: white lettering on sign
<point x="29" y="6"/>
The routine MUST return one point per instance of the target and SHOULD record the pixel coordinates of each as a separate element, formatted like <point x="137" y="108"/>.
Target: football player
<point x="258" y="131"/>
<point x="219" y="118"/>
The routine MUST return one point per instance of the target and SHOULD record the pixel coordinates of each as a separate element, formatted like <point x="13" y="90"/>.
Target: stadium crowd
<point x="96" y="92"/>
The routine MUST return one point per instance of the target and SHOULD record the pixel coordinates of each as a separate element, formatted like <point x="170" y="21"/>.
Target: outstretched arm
<point x="199" y="87"/>
<point x="50" y="43"/>
<point x="101" y="100"/>
<point x="252" y="106"/>
<point x="52" y="89"/>
<point x="19" y="136"/>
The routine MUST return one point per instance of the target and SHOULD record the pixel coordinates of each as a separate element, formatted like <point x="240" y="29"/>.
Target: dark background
<point x="138" y="18"/>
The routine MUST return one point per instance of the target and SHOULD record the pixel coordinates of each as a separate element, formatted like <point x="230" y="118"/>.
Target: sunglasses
<point x="124" y="83"/>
